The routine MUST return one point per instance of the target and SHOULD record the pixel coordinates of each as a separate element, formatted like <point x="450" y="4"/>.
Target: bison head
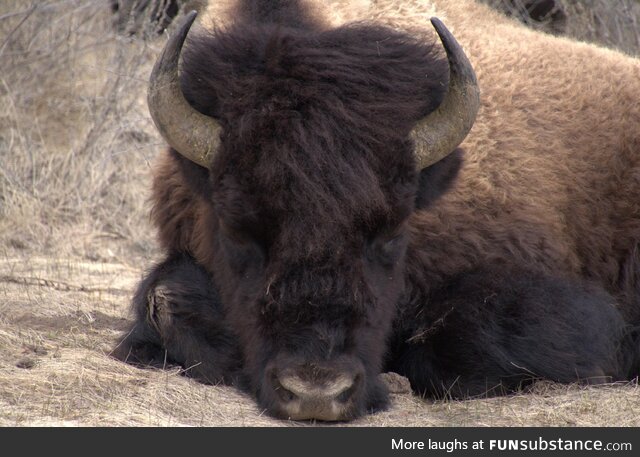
<point x="317" y="145"/>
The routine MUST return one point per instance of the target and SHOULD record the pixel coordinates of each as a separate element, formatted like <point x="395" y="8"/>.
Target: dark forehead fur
<point x="315" y="122"/>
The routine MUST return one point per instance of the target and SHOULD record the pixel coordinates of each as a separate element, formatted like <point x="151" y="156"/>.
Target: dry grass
<point x="75" y="137"/>
<point x="614" y="24"/>
<point x="75" y="147"/>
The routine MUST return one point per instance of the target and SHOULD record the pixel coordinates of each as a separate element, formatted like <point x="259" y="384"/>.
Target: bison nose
<point x="313" y="393"/>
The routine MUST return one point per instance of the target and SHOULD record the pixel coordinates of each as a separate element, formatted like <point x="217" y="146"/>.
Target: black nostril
<point x="283" y="393"/>
<point x="346" y="395"/>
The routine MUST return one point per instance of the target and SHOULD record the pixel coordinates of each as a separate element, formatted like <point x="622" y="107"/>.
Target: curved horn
<point x="191" y="133"/>
<point x="439" y="133"/>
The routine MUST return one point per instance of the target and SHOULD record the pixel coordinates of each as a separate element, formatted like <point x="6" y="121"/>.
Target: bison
<point x="339" y="199"/>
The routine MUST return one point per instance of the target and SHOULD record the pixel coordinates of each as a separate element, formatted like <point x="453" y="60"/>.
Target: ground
<point x="76" y="148"/>
<point x="61" y="317"/>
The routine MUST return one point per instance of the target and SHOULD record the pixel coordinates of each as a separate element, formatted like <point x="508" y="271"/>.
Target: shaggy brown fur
<point x="315" y="187"/>
<point x="551" y="175"/>
<point x="554" y="153"/>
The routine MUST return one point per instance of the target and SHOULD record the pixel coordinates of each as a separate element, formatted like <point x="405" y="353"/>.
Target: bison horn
<point x="439" y="133"/>
<point x="191" y="133"/>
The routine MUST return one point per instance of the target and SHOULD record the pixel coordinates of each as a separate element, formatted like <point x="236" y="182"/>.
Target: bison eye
<point x="386" y="250"/>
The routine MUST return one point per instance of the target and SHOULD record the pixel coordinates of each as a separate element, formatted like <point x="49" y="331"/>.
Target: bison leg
<point x="179" y="320"/>
<point x="493" y="331"/>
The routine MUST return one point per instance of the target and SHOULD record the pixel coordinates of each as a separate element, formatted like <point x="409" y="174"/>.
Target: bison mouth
<point x="338" y="390"/>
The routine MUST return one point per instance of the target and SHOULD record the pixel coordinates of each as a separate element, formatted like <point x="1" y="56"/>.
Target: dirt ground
<point x="76" y="147"/>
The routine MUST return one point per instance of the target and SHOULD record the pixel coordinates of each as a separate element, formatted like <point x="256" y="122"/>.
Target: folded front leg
<point x="494" y="330"/>
<point x="179" y="320"/>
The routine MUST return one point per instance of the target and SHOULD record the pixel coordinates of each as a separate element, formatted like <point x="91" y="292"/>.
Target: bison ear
<point x="436" y="179"/>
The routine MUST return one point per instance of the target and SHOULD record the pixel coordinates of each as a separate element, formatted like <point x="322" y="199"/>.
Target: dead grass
<point x="75" y="147"/>
<point x="615" y="24"/>
<point x="75" y="137"/>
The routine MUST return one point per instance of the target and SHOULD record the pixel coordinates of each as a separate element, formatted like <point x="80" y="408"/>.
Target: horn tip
<point x="191" y="16"/>
<point x="441" y="29"/>
<point x="188" y="19"/>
